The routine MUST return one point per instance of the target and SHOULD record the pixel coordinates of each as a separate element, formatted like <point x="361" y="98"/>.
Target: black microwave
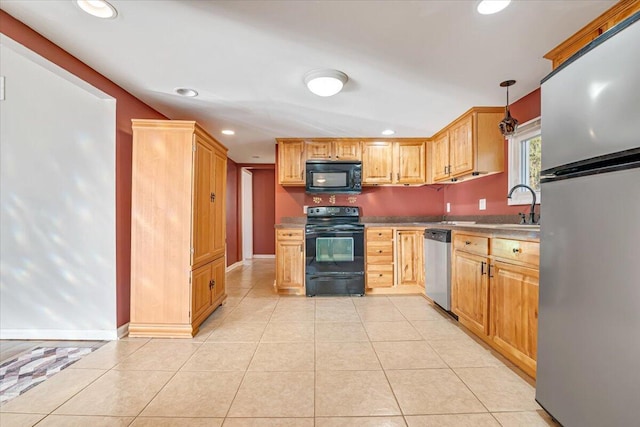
<point x="333" y="177"/>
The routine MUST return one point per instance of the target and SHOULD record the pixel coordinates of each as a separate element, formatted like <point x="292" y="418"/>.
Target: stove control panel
<point x="328" y="211"/>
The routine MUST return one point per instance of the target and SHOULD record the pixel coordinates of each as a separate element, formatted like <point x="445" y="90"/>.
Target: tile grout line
<point x="252" y="357"/>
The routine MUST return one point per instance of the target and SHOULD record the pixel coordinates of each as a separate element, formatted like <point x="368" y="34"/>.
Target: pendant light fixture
<point x="509" y="124"/>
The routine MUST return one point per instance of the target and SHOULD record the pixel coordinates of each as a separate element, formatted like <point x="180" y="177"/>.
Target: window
<point x="524" y="162"/>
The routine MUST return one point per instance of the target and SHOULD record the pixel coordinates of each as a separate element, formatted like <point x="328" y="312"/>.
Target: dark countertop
<point x="507" y="231"/>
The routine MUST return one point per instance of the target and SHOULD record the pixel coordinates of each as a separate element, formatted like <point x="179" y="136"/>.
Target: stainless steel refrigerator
<point x="589" y="315"/>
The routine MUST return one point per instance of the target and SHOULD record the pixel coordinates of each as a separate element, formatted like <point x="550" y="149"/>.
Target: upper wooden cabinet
<point x="177" y="227"/>
<point x="377" y="162"/>
<point x="609" y="19"/>
<point x="291" y="162"/>
<point x="470" y="147"/>
<point x="394" y="162"/>
<point x="341" y="149"/>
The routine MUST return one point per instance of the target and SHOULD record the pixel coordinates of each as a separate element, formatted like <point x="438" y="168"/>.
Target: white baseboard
<point x="123" y="330"/>
<point x="59" y="334"/>
<point x="264" y="256"/>
<point x="235" y="265"/>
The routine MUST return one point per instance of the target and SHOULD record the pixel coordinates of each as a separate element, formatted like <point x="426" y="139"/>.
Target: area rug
<point x="30" y="369"/>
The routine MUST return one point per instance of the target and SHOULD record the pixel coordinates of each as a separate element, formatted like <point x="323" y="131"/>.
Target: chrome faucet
<point x="532" y="214"/>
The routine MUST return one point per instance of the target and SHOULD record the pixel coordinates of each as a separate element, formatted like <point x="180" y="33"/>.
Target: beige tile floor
<point x="265" y="361"/>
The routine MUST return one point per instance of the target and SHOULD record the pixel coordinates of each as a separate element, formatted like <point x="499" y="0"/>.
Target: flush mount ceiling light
<point x="98" y="8"/>
<point x="388" y="132"/>
<point x="508" y="125"/>
<point x="185" y="91"/>
<point x="488" y="7"/>
<point x="228" y="132"/>
<point x="325" y="82"/>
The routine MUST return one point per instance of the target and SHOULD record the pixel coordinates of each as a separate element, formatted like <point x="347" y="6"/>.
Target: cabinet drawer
<point x="290" y="234"/>
<point x="516" y="250"/>
<point x="378" y="279"/>
<point x="379" y="234"/>
<point x="380" y="252"/>
<point x="473" y="244"/>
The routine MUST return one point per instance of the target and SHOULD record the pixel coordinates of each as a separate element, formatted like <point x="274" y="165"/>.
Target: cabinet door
<point x="219" y="279"/>
<point x="461" y="147"/>
<point x="411" y="167"/>
<point x="410" y="250"/>
<point x="514" y="311"/>
<point x="290" y="264"/>
<point x="377" y="162"/>
<point x="470" y="295"/>
<point x="319" y="150"/>
<point x="291" y="162"/>
<point x="347" y="150"/>
<point x="219" y="214"/>
<point x="440" y="157"/>
<point x="203" y="202"/>
<point x="201" y="291"/>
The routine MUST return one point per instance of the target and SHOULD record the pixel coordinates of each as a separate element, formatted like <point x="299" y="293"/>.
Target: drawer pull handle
<point x="468" y="242"/>
<point x="517" y="250"/>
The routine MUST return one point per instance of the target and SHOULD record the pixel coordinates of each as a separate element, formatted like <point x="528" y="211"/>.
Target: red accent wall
<point x="464" y="196"/>
<point x="374" y="201"/>
<point x="127" y="108"/>
<point x="233" y="248"/>
<point x="264" y="211"/>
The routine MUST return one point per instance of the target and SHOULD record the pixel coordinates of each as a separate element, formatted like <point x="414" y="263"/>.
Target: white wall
<point x="57" y="192"/>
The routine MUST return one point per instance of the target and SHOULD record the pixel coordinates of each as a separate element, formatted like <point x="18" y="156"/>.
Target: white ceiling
<point x="413" y="66"/>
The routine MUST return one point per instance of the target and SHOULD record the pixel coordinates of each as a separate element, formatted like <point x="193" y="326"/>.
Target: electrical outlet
<point x="448" y="207"/>
<point x="483" y="204"/>
<point x="304" y="209"/>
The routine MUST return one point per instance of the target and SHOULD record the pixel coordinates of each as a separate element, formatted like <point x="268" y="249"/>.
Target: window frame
<point x="525" y="131"/>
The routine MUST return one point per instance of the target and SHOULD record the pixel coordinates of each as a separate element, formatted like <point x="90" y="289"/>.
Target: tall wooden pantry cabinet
<point x="177" y="228"/>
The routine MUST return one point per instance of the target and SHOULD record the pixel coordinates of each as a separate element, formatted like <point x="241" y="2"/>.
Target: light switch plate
<point x="304" y="209"/>
<point x="483" y="204"/>
<point x="448" y="207"/>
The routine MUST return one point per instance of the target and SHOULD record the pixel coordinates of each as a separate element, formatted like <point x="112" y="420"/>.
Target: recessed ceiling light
<point x="228" y="132"/>
<point x="488" y="7"/>
<point x="98" y="8"/>
<point x="388" y="132"/>
<point x="325" y="82"/>
<point x="185" y="91"/>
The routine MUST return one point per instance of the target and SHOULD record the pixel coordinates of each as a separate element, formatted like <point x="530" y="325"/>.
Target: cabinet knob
<point x="517" y="250"/>
<point x="379" y="234"/>
<point x="379" y="251"/>
<point x="380" y="275"/>
<point x="468" y="242"/>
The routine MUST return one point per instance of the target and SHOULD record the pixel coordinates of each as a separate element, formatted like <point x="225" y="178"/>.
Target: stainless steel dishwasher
<point x="437" y="266"/>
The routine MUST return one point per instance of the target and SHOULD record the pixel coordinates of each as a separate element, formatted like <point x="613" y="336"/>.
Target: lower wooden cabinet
<point x="290" y="261"/>
<point x="470" y="293"/>
<point x="514" y="312"/>
<point x="379" y="257"/>
<point x="410" y="250"/>
<point x="394" y="260"/>
<point x="495" y="283"/>
<point x="207" y="289"/>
